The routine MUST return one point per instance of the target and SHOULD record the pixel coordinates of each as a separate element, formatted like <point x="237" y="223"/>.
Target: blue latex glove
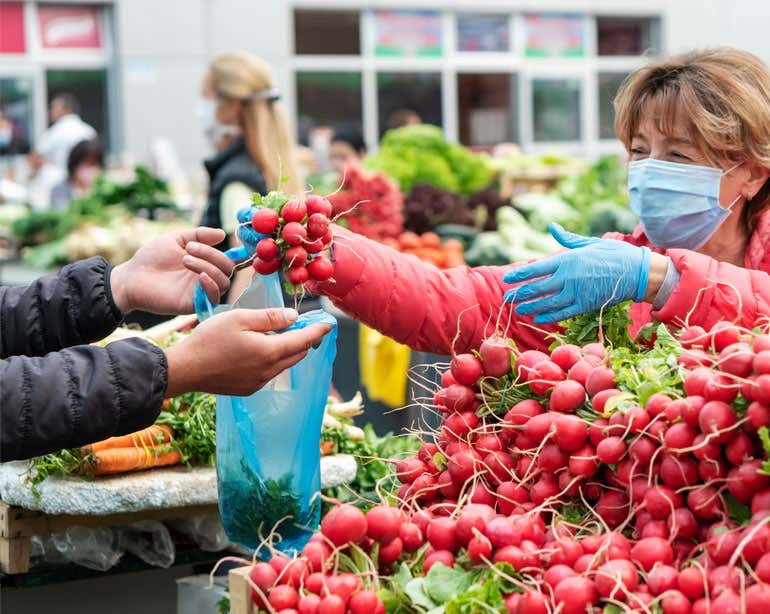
<point x="593" y="273"/>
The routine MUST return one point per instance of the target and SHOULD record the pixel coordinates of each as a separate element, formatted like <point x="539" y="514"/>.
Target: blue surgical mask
<point x="212" y="128"/>
<point x="677" y="204"/>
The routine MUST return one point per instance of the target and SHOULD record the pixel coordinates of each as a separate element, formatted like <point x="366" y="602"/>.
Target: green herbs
<point x="252" y="507"/>
<point x="764" y="437"/>
<point x="61" y="463"/>
<point x="193" y="418"/>
<point x="610" y="326"/>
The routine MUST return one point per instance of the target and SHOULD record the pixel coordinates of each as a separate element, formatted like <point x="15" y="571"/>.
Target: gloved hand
<point x="593" y="273"/>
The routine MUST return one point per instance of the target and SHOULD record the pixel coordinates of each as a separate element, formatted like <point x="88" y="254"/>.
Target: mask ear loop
<point x="737" y="198"/>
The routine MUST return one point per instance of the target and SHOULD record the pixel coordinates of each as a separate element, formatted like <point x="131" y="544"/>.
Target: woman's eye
<point x="680" y="156"/>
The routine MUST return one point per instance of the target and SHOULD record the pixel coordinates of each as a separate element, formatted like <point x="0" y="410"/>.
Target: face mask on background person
<point x="677" y="204"/>
<point x="212" y="128"/>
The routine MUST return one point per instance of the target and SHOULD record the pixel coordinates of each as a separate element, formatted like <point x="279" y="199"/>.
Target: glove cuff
<point x="644" y="275"/>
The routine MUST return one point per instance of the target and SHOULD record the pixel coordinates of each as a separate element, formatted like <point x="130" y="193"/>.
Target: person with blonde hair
<point x="246" y="125"/>
<point x="697" y="130"/>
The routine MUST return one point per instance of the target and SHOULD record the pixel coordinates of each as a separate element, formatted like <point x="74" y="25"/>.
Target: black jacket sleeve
<point x="72" y="307"/>
<point x="78" y="395"/>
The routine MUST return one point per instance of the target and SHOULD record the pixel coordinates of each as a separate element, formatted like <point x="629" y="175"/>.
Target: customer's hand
<point x="230" y="353"/>
<point x="161" y="276"/>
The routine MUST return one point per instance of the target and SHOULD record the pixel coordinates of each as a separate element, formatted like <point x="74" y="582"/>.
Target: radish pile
<point x="296" y="232"/>
<point x="582" y="479"/>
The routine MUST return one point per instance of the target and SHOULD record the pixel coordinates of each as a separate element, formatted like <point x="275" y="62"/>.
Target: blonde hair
<point x="725" y="96"/>
<point x="239" y="75"/>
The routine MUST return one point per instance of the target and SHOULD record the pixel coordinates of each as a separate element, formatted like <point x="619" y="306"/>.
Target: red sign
<point x="12" y="27"/>
<point x="68" y="27"/>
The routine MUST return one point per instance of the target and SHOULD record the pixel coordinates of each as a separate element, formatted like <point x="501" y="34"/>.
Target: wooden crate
<point x="18" y="524"/>
<point x="240" y="591"/>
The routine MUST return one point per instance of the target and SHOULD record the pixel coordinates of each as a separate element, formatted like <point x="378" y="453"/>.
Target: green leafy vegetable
<point x="193" y="418"/>
<point x="610" y="325"/>
<point x="738" y="512"/>
<point x="764" y="437"/>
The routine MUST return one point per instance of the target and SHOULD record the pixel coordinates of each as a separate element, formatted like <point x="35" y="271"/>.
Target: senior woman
<point x="697" y="130"/>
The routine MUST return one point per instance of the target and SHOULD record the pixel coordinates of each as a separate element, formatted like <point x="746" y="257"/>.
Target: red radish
<point x="439" y="556"/>
<point x="674" y="602"/>
<point x="537" y="427"/>
<point x="293" y="211"/>
<point x="655" y="528"/>
<point x="556" y="573"/>
<point x="447" y="486"/>
<point x="575" y="595"/>
<point x="580" y="371"/>
<point x="327" y="238"/>
<point x="421" y="519"/>
<point x="390" y="551"/>
<point x="279" y="563"/>
<point x="661" y="501"/>
<point x="651" y="550"/>
<point x="264" y="576"/>
<point x="424" y="488"/>
<point x="309" y="604"/>
<point x="693" y="336"/>
<point x="724" y="334"/>
<point x="737" y="360"/>
<point x="527" y="361"/>
<point x="616" y="578"/>
<point x="481" y="494"/>
<point x="758" y="415"/>
<point x="715" y="418"/>
<point x="691" y="359"/>
<point x="696" y="380"/>
<point x="447" y="379"/>
<point x="739" y="448"/>
<point x="502" y="532"/>
<point x="295" y="256"/>
<point x="642" y="449"/>
<point x="317" y="554"/>
<point x="722" y="542"/>
<point x="761" y="364"/>
<point x="264" y="221"/>
<point x="496" y="356"/>
<point x="458" y="398"/>
<point x="683" y="524"/>
<point x="757" y="599"/>
<point x="706" y="449"/>
<point x="636" y="419"/>
<point x="442" y="534"/>
<point x="691" y="582"/>
<point x="601" y="378"/>
<point x="297" y="275"/>
<point x="332" y="604"/>
<point x="594" y="349"/>
<point x="462" y="467"/>
<point x="509" y="495"/>
<point x="763" y="389"/>
<point x="473" y="517"/>
<point x="294" y="233"/>
<point x="552" y="458"/>
<point x="570" y="432"/>
<point x="499" y="466"/>
<point x="678" y="472"/>
<point x="612" y="508"/>
<point x="267" y="249"/>
<point x="283" y="597"/>
<point x="479" y="548"/>
<point x="460" y="424"/>
<point x="566" y="356"/>
<point x="383" y="523"/>
<point x="320" y="269"/>
<point x="583" y="462"/>
<point x="344" y="585"/>
<point x="344" y="524"/>
<point x="317" y="225"/>
<point x="488" y="443"/>
<point x="720" y="388"/>
<point x="678" y="437"/>
<point x="296" y="572"/>
<point x="760" y="502"/>
<point x="314" y="247"/>
<point x="266" y="267"/>
<point x="532" y="602"/>
<point x="657" y="404"/>
<point x="520" y="413"/>
<point x="662" y="578"/>
<point x="567" y="396"/>
<point x="466" y="369"/>
<point x="762" y="568"/>
<point x="544" y="376"/>
<point x="409" y="469"/>
<point x="315" y="582"/>
<point x="596" y="430"/>
<point x="363" y="602"/>
<point x="675" y="409"/>
<point x="611" y="450"/>
<point x="318" y="204"/>
<point x="709" y="469"/>
<point x="704" y="501"/>
<point x="411" y="536"/>
<point x="542" y="490"/>
<point x="691" y="411"/>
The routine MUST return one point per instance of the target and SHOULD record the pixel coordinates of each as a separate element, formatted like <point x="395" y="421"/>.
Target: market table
<point x="158" y="494"/>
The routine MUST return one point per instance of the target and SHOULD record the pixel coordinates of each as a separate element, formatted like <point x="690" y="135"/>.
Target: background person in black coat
<point x="56" y="392"/>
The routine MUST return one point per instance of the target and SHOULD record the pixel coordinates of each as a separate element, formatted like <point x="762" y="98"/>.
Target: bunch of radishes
<point x="297" y="234"/>
<point x="549" y="462"/>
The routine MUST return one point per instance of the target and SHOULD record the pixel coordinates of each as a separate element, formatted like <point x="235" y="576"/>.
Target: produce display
<point x="430" y="248"/>
<point x="420" y="154"/>
<point x="370" y="204"/>
<point x="608" y="474"/>
<point x="103" y="223"/>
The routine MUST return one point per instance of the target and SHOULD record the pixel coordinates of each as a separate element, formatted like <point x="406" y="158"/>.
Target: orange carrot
<point x="120" y="460"/>
<point x="430" y="239"/>
<point x="151" y="436"/>
<point x="327" y="448"/>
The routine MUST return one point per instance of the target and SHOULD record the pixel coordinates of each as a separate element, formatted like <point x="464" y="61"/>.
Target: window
<point x="328" y="99"/>
<point x="554" y="36"/>
<point x="407" y="33"/>
<point x="16" y="113"/>
<point x="556" y="109"/>
<point x="326" y="32"/>
<point x="484" y="108"/>
<point x="627" y="35"/>
<point x="90" y="89"/>
<point x="483" y="33"/>
<point x="419" y="92"/>
<point x="609" y="83"/>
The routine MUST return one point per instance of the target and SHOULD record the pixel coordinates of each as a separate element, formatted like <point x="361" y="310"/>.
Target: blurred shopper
<point x="402" y="117"/>
<point x="84" y="165"/>
<point x="57" y="392"/>
<point x="244" y="121"/>
<point x="51" y="151"/>
<point x="347" y="147"/>
<point x="12" y="140"/>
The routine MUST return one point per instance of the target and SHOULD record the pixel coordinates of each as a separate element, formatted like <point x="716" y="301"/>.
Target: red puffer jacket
<point x="437" y="311"/>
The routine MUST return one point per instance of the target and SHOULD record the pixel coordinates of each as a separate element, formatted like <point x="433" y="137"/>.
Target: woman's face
<point x="227" y="110"/>
<point x="342" y="155"/>
<point x="649" y="142"/>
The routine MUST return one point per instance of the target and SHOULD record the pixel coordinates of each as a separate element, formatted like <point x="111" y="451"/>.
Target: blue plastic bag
<point x="268" y="458"/>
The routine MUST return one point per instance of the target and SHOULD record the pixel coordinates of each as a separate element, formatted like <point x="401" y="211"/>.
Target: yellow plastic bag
<point x="384" y="365"/>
